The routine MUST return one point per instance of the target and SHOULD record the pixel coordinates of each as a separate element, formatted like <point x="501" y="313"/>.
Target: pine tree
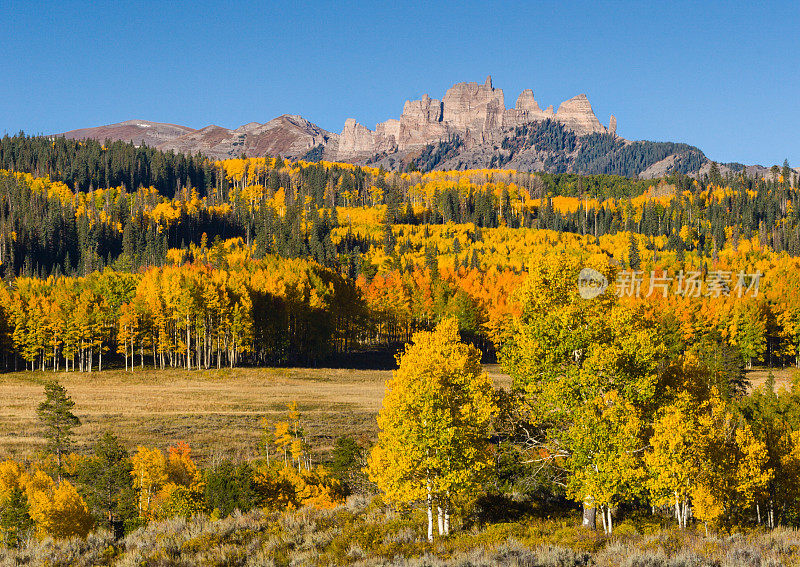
<point x="55" y="414"/>
<point x="110" y="485"/>
<point x="14" y="518"/>
<point x="634" y="260"/>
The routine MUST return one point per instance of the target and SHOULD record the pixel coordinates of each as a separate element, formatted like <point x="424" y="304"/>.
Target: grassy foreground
<point x="366" y="533"/>
<point x="216" y="411"/>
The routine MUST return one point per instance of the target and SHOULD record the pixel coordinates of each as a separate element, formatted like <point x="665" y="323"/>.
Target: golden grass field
<point x="216" y="411"/>
<point x="783" y="377"/>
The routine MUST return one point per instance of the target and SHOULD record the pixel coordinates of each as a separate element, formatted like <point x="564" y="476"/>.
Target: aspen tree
<point x="434" y="425"/>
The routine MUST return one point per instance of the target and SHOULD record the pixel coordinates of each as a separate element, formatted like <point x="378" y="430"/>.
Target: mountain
<point x="287" y="135"/>
<point x="470" y="127"/>
<point x="137" y="131"/>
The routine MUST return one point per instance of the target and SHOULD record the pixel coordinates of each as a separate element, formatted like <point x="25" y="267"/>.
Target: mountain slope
<point x="287" y="135"/>
<point x="140" y="132"/>
<point x="470" y="127"/>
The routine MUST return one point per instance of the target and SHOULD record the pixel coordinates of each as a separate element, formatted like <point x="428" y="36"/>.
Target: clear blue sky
<point x="722" y="76"/>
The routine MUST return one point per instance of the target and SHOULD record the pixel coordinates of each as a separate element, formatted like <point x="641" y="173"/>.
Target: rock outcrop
<point x="420" y="122"/>
<point x="475" y="112"/>
<point x="577" y="115"/>
<point x="473" y="109"/>
<point x="356" y="138"/>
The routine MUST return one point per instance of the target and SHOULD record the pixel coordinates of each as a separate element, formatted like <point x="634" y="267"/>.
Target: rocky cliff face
<point x="577" y="115"/>
<point x="470" y="125"/>
<point x="475" y="112"/>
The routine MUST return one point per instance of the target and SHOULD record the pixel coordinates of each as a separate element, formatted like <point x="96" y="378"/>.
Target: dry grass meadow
<point x="216" y="411"/>
<point x="783" y="377"/>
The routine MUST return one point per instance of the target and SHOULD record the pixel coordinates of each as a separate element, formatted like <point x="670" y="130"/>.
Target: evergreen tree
<point x="107" y="477"/>
<point x="14" y="518"/>
<point x="55" y="415"/>
<point x="634" y="261"/>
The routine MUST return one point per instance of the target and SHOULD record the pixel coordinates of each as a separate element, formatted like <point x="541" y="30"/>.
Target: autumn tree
<point x="705" y="458"/>
<point x="59" y="511"/>
<point x="434" y="425"/>
<point x="588" y="372"/>
<point x="149" y="472"/>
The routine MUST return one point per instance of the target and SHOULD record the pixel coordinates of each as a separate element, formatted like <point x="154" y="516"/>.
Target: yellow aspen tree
<point x="59" y="512"/>
<point x="149" y="476"/>
<point x="434" y="424"/>
<point x="180" y="466"/>
<point x="570" y="354"/>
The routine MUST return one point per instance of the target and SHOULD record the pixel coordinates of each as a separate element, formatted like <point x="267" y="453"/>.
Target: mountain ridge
<point x="469" y="127"/>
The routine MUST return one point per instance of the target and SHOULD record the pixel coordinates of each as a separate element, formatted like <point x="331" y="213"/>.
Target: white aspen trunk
<point x="589" y="519"/>
<point x="447" y="518"/>
<point x="188" y="345"/>
<point x="440" y="519"/>
<point x="685" y="513"/>
<point x="610" y="521"/>
<point x="603" y="515"/>
<point x="758" y="514"/>
<point x="430" y="512"/>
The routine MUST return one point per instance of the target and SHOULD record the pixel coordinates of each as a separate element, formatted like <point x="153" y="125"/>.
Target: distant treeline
<point x="124" y="206"/>
<point x="88" y="164"/>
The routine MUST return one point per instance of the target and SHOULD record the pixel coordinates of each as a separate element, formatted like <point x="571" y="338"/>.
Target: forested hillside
<point x="342" y="256"/>
<point x="550" y="147"/>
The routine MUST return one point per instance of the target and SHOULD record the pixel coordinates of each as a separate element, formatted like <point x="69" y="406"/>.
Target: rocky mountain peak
<point x="577" y="115"/>
<point x="473" y="111"/>
<point x="526" y="102"/>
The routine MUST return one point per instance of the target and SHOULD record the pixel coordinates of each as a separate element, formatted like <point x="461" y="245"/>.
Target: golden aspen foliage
<point x="149" y="476"/>
<point x="57" y="510"/>
<point x="434" y="422"/>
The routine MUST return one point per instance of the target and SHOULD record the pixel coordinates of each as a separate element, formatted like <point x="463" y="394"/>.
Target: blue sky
<point x="722" y="76"/>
